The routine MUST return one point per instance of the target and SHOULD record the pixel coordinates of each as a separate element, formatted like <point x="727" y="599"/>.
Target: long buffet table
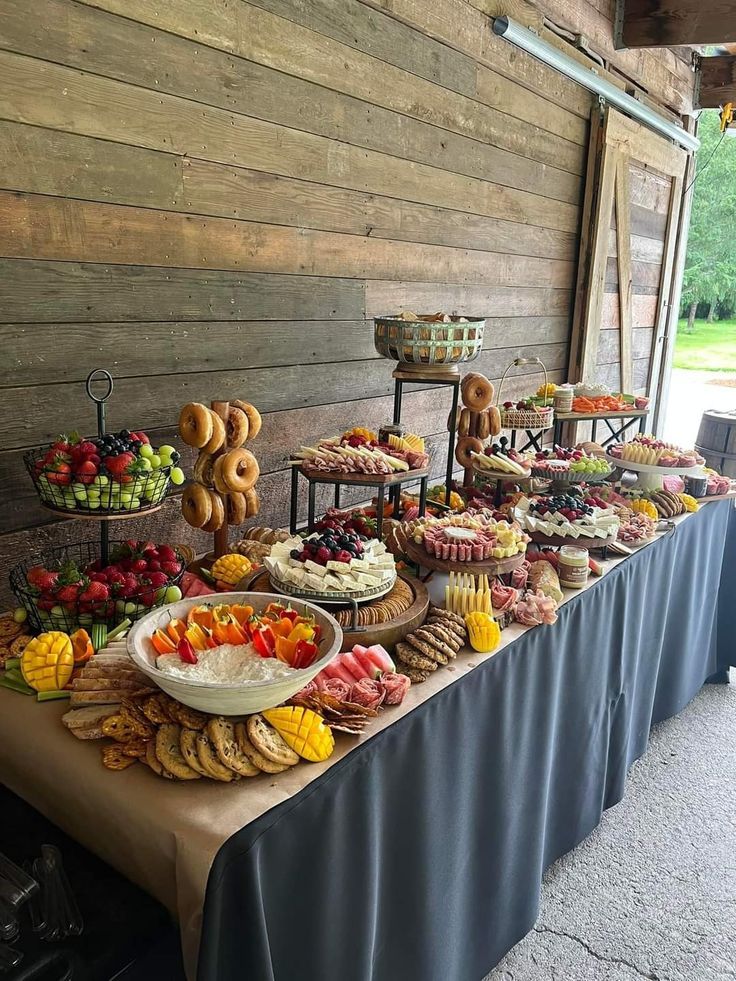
<point x="416" y="852"/>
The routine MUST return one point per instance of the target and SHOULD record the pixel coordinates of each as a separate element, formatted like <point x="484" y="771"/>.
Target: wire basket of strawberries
<point x="67" y="587"/>
<point x="119" y="473"/>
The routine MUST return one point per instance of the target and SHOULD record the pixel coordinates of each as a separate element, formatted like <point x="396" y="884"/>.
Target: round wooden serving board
<point x="489" y="567"/>
<point x="387" y="634"/>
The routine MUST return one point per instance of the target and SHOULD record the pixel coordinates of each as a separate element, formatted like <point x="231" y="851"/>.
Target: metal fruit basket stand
<point x="103" y="496"/>
<point x="429" y="342"/>
<point x="69" y="616"/>
<point x="522" y="418"/>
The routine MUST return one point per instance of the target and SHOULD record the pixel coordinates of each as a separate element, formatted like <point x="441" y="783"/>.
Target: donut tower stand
<point x="220" y="540"/>
<point x="222" y="409"/>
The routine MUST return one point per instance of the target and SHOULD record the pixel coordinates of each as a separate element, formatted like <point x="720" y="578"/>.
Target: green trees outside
<point x="710" y="267"/>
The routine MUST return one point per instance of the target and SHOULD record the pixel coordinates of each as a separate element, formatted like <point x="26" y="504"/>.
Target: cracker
<point x="135" y="748"/>
<point x="9" y="629"/>
<point x="19" y="644"/>
<point x="186" y="716"/>
<point x="270" y="743"/>
<point x="154" y="709"/>
<point x="113" y="758"/>
<point x="169" y="754"/>
<point x="416" y="677"/>
<point x="117" y="727"/>
<point x="222" y="736"/>
<point x="256" y="758"/>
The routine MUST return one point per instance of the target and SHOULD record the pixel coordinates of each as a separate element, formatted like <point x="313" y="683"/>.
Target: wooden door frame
<point x="616" y="141"/>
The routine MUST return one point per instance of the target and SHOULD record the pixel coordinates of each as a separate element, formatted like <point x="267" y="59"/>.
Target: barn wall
<point x="211" y="198"/>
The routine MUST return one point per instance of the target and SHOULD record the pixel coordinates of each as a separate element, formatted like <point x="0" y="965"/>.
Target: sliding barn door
<point x="634" y="188"/>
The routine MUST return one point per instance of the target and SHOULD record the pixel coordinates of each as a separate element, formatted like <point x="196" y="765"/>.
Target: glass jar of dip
<point x="563" y="398"/>
<point x="389" y="429"/>
<point x="573" y="566"/>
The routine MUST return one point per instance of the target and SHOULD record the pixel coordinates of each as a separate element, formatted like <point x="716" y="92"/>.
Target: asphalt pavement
<point x="651" y="894"/>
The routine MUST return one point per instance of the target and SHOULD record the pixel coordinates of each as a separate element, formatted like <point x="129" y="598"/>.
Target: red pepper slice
<point x="264" y="641"/>
<point x="305" y="654"/>
<point x="187" y="652"/>
<point x="280" y="612"/>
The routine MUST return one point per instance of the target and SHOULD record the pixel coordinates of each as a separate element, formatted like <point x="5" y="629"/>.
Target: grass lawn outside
<point x="710" y="347"/>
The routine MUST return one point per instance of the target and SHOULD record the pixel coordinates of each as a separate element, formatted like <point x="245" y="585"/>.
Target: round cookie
<point x="413" y="658"/>
<point x="210" y="761"/>
<point x="433" y="640"/>
<point x="222" y="737"/>
<point x="449" y="626"/>
<point x="256" y="758"/>
<point x="438" y="611"/>
<point x="169" y="755"/>
<point x="266" y="740"/>
<point x="446" y="636"/>
<point x="426" y="649"/>
<point x="188" y="746"/>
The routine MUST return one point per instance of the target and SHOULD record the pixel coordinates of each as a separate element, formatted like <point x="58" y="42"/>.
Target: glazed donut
<point x="477" y="392"/>
<point x="494" y="417"/>
<point x="218" y="434"/>
<point x="196" y="505"/>
<point x="254" y="417"/>
<point x="195" y="424"/>
<point x="453" y="421"/>
<point x="236" y="470"/>
<point x="203" y="467"/>
<point x="237" y="427"/>
<point x="217" y="518"/>
<point x="237" y="508"/>
<point x="253" y="502"/>
<point x="483" y="425"/>
<point x="465" y="446"/>
<point x="463" y="426"/>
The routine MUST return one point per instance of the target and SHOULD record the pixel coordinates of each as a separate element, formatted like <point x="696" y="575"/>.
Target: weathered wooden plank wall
<point x="212" y="198"/>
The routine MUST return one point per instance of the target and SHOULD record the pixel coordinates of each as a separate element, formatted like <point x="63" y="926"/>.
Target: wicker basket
<point x="542" y="417"/>
<point x="428" y="342"/>
<point x="527" y="419"/>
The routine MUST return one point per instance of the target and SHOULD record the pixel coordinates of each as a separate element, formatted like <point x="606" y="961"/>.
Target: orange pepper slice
<point x="285" y="649"/>
<point x="241" y="613"/>
<point x="162" y="643"/>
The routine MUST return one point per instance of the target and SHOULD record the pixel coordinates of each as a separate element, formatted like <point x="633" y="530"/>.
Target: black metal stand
<point x="382" y="485"/>
<point x="99" y="374"/>
<point x="617" y="425"/>
<point x="454" y="382"/>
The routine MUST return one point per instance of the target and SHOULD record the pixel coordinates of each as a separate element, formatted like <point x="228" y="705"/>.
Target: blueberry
<point x="294" y="553"/>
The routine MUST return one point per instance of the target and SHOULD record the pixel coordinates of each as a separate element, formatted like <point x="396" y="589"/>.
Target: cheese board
<point x="491" y="567"/>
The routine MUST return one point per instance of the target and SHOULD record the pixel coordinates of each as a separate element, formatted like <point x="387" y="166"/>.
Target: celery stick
<point x="50" y="696"/>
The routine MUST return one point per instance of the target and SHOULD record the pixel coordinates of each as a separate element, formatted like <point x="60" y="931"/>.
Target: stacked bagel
<point x="225" y="473"/>
<point x="476" y="419"/>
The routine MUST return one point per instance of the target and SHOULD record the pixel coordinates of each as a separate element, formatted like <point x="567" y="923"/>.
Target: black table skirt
<point x="419" y="857"/>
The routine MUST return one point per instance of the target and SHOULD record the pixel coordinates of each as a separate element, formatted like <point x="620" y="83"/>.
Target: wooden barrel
<point x="717" y="441"/>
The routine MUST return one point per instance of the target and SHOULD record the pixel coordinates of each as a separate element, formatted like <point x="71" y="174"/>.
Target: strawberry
<point x="129" y="585"/>
<point x="47" y="581"/>
<point x="34" y="574"/>
<point x="68" y="594"/>
<point x="119" y="464"/>
<point x="166" y="553"/>
<point x="86" y="472"/>
<point x="139" y="565"/>
<point x="171" y="568"/>
<point x="115" y="577"/>
<point x="158" y="579"/>
<point x="46" y="603"/>
<point x="60" y="472"/>
<point x="343" y="556"/>
<point x="96" y="592"/>
<point x="323" y="556"/>
<point x="154" y="565"/>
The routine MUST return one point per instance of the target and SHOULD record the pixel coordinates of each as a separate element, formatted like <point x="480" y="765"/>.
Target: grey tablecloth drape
<point x="419" y="856"/>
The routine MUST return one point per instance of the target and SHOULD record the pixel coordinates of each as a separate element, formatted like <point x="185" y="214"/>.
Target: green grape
<point x="93" y="504"/>
<point x="146" y="464"/>
<point x="120" y="606"/>
<point x="155" y="461"/>
<point x="131" y="607"/>
<point x="166" y="450"/>
<point x="146" y="450"/>
<point x="172" y="594"/>
<point x="177" y="476"/>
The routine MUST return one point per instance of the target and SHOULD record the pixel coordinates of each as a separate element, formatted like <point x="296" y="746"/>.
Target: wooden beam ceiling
<point x="664" y="23"/>
<point x="717" y="81"/>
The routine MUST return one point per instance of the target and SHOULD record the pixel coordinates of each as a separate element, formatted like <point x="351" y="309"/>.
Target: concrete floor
<point x="652" y="892"/>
